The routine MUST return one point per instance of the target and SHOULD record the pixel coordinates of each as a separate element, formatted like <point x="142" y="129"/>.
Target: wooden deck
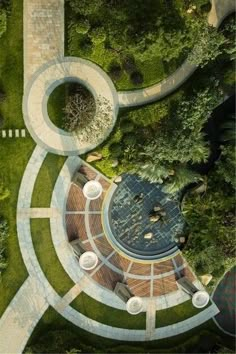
<point x="143" y="279"/>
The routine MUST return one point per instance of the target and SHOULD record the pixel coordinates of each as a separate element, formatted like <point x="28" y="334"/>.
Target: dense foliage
<point x="210" y="215"/>
<point x="128" y="38"/>
<point x="3" y="237"/>
<point x="212" y="42"/>
<point x="179" y="140"/>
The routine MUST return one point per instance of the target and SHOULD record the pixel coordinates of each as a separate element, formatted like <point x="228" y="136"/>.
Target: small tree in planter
<point x="87" y="118"/>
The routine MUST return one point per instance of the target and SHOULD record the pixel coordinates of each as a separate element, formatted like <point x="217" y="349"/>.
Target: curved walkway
<point x="21" y="317"/>
<point x="38" y="90"/>
<point x="47" y="295"/>
<point x="224" y="297"/>
<point x="219" y="11"/>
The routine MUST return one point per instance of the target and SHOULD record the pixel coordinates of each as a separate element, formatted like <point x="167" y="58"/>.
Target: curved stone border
<point x="219" y="11"/>
<point x="41" y="85"/>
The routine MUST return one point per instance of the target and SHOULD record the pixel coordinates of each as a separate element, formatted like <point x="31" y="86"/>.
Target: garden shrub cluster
<point x="4" y="8"/>
<point x="128" y="39"/>
<point x="3" y="236"/>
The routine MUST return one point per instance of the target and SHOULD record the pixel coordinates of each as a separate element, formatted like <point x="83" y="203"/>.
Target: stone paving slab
<point x="39" y="213"/>
<point x="21" y="316"/>
<point x="43" y="33"/>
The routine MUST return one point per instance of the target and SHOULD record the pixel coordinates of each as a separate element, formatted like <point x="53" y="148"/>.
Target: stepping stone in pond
<point x="10" y="133"/>
<point x="17" y="133"/>
<point x="23" y="134"/>
<point x="4" y="133"/>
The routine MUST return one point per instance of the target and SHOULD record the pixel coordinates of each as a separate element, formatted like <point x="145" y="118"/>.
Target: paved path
<point x="43" y="33"/>
<point x="220" y="9"/>
<point x="150" y="319"/>
<point x="36" y="95"/>
<point x="46" y="295"/>
<point x="21" y="317"/>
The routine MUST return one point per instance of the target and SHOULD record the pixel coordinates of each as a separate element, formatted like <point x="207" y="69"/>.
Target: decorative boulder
<point x="205" y="279"/>
<point x="118" y="179"/>
<point x="94" y="156"/>
<point x="154" y="218"/>
<point x="115" y="163"/>
<point x="148" y="236"/>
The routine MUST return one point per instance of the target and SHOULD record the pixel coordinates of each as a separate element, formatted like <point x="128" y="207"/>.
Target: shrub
<point x="3" y="235"/>
<point x="3" y="22"/>
<point x="126" y="126"/>
<point x="83" y="26"/>
<point x="115" y="70"/>
<point x="2" y="96"/>
<point x="136" y="78"/>
<point x="4" y="191"/>
<point x="128" y="64"/>
<point x="1" y="121"/>
<point x="85" y="44"/>
<point x="150" y="114"/>
<point x="98" y="35"/>
<point x="130" y="139"/>
<point x="116" y="150"/>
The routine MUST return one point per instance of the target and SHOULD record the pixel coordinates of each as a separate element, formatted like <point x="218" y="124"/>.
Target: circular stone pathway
<point x="41" y="85"/>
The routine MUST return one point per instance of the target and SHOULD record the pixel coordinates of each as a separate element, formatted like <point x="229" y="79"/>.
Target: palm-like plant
<point x="154" y="173"/>
<point x="182" y="177"/>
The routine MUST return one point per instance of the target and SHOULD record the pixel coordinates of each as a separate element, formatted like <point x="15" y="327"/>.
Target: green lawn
<point x="176" y="314"/>
<point x="106" y="314"/>
<point x="11" y="67"/>
<point x="56" y="103"/>
<point x="47" y="257"/>
<point x="55" y="334"/>
<point x="46" y="180"/>
<point x="14" y="153"/>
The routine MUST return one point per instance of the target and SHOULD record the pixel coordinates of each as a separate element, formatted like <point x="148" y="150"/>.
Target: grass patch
<point x="56" y="103"/>
<point x="106" y="314"/>
<point x="11" y="67"/>
<point x="14" y="153"/>
<point x="46" y="180"/>
<point x="47" y="257"/>
<point x="176" y="314"/>
<point x="55" y="334"/>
